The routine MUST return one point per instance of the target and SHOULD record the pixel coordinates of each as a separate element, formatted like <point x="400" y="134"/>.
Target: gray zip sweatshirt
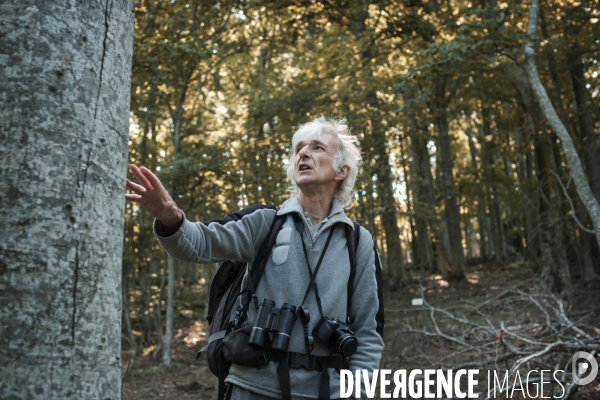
<point x="286" y="279"/>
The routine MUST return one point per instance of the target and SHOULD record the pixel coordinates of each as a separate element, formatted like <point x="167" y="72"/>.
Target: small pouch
<point x="237" y="350"/>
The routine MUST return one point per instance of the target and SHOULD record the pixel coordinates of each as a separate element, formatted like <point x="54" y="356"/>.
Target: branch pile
<point x="515" y="332"/>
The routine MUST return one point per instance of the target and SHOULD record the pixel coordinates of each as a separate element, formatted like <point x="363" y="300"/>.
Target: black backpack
<point x="223" y="317"/>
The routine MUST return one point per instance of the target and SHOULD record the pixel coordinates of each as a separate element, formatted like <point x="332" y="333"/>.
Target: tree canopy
<point x="459" y="165"/>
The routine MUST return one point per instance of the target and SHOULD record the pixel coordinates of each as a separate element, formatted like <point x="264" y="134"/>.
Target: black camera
<point x="278" y="321"/>
<point x="337" y="335"/>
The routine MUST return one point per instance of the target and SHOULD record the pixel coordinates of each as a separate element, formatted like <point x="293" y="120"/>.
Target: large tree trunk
<point x="64" y="115"/>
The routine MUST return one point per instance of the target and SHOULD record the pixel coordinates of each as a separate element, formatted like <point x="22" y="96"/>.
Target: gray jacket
<point x="286" y="279"/>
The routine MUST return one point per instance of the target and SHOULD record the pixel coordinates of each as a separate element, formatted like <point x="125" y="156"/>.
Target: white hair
<point x="348" y="154"/>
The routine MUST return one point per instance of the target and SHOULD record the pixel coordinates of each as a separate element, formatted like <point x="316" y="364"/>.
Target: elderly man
<point x="322" y="169"/>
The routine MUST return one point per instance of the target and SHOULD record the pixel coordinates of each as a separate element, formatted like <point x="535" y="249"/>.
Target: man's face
<point x="314" y="162"/>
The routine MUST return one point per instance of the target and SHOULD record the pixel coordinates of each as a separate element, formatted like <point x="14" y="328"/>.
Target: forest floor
<point x="407" y="346"/>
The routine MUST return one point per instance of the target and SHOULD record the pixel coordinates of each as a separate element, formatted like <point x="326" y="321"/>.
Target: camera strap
<point x="300" y="228"/>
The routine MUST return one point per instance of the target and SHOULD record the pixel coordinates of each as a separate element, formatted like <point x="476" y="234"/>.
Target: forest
<point x="462" y="166"/>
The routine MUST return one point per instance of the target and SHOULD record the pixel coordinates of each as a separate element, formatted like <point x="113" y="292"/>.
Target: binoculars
<point x="275" y="321"/>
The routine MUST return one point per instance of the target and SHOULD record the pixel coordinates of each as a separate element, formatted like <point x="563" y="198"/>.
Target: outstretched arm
<point x="151" y="194"/>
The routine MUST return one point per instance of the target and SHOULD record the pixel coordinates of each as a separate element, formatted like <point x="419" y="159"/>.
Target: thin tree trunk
<point x="583" y="187"/>
<point x="467" y="225"/>
<point x="169" y="264"/>
<point x="451" y="206"/>
<point x="64" y="113"/>
<point x="371" y="213"/>
<point x="554" y="75"/>
<point x="480" y="201"/>
<point x="532" y="215"/>
<point x="409" y="208"/>
<point x="168" y="342"/>
<point x="555" y="273"/>
<point x="423" y="191"/>
<point x="158" y="310"/>
<point x="499" y="228"/>
<point x="584" y="243"/>
<point x="591" y="156"/>
<point x="377" y="140"/>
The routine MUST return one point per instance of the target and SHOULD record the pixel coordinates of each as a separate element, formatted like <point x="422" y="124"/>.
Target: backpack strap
<point x="380" y="318"/>
<point x="352" y="237"/>
<point x="253" y="280"/>
<point x="264" y="250"/>
<point x="260" y="262"/>
<point x="352" y="248"/>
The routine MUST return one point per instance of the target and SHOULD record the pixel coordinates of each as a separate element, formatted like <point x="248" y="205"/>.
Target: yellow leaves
<point x="447" y="36"/>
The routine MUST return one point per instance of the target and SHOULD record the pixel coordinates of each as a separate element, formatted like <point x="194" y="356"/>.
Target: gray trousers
<point x="239" y="393"/>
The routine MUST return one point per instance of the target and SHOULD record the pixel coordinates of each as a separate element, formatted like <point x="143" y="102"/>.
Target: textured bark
<point x="64" y="113"/>
<point x="583" y="187"/>
<point x="127" y="318"/>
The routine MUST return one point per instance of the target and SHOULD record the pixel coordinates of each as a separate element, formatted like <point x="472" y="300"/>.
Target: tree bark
<point x="451" y="205"/>
<point x="168" y="342"/>
<point x="583" y="188"/>
<point x="555" y="274"/>
<point x="127" y="318"/>
<point x="589" y="143"/>
<point x="64" y="116"/>
<point x="377" y="140"/>
<point x="409" y="208"/>
<point x="480" y="201"/>
<point x="423" y="189"/>
<point x="554" y="268"/>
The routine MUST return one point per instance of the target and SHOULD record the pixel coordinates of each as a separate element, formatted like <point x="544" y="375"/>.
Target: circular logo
<point x="578" y="369"/>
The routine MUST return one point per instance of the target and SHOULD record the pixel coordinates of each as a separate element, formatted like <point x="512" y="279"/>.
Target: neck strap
<point x="300" y="228"/>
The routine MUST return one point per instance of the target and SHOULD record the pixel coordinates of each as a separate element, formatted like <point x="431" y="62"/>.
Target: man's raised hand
<point x="151" y="194"/>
